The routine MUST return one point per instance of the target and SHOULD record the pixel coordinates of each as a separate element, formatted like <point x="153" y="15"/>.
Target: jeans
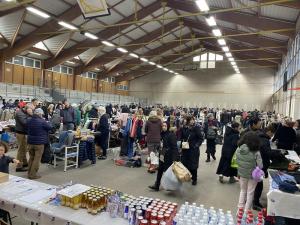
<point x="247" y="193"/>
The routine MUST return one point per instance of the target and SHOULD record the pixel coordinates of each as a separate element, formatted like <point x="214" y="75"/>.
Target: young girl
<point x="4" y="159"/>
<point x="248" y="157"/>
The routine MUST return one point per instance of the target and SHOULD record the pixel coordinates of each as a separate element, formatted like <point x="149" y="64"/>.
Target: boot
<point x="154" y="187"/>
<point x="221" y="179"/>
<point x="232" y="180"/>
<point x="208" y="158"/>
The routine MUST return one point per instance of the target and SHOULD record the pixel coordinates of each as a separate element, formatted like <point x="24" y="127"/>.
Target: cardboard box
<point x="3" y="177"/>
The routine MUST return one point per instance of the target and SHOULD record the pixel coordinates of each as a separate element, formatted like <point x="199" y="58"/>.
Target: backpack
<point x="211" y="133"/>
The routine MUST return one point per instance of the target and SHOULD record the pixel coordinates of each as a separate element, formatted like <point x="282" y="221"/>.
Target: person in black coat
<point x="101" y="140"/>
<point x="190" y="157"/>
<point x="285" y="135"/>
<point x="229" y="147"/>
<point x="167" y="154"/>
<point x="210" y="130"/>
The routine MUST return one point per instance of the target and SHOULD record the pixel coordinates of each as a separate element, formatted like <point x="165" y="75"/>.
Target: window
<point x="70" y="70"/>
<point x="64" y="69"/>
<point x="37" y="64"/>
<point x="106" y="79"/>
<point x="29" y="62"/>
<point x="9" y="60"/>
<point x="112" y="80"/>
<point x="18" y="60"/>
<point x="56" y="69"/>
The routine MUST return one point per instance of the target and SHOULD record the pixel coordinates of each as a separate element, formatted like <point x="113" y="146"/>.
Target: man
<point x="34" y="103"/>
<point x="224" y="119"/>
<point x="210" y="130"/>
<point x="254" y="125"/>
<point x="67" y="115"/>
<point x="21" y="120"/>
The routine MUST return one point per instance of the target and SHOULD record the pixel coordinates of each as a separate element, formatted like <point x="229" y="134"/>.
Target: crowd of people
<point x="173" y="133"/>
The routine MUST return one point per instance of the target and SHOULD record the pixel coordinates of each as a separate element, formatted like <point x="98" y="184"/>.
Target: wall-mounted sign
<point x="93" y="8"/>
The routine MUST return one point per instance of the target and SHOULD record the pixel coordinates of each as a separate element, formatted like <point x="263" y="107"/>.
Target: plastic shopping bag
<point x="169" y="181"/>
<point x="153" y="158"/>
<point x="234" y="162"/>
<point x="181" y="172"/>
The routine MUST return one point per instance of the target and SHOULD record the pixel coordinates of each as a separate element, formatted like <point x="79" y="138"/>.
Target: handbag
<point x="181" y="172"/>
<point x="185" y="144"/>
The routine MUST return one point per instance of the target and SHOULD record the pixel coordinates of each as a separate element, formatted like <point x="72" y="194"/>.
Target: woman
<point x="38" y="130"/>
<point x="167" y="155"/>
<point x="248" y="158"/>
<point x="210" y="130"/>
<point x="297" y="144"/>
<point x="190" y="157"/>
<point x="101" y="140"/>
<point x="285" y="135"/>
<point x="230" y="145"/>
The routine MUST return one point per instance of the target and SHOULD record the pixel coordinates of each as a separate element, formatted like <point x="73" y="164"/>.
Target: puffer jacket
<point x="247" y="161"/>
<point x="38" y="131"/>
<point x="153" y="129"/>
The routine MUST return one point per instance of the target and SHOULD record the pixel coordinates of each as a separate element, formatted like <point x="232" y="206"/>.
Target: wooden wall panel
<point x="94" y="85"/>
<point x="37" y="77"/>
<point x="64" y="81"/>
<point x="83" y="84"/>
<point x="89" y="85"/>
<point x="8" y="73"/>
<point x="70" y="82"/>
<point x="78" y="83"/>
<point x="48" y="79"/>
<point x="18" y="74"/>
<point x="100" y="88"/>
<point x="28" y="76"/>
<point x="56" y="79"/>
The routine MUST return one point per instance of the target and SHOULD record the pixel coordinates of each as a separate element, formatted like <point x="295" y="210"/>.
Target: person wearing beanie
<point x="37" y="130"/>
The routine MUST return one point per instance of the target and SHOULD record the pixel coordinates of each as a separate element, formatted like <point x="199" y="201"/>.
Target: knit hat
<point x="39" y="111"/>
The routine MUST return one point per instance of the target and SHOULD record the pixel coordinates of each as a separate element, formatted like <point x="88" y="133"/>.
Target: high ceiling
<point x="161" y="31"/>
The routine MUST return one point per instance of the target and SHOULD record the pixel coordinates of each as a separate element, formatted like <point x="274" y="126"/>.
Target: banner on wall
<point x="93" y="8"/>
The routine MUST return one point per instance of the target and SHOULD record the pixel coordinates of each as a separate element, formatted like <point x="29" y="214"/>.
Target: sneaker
<point x="221" y="179"/>
<point x="232" y="180"/>
<point x="153" y="187"/>
<point x="21" y="169"/>
<point x="194" y="182"/>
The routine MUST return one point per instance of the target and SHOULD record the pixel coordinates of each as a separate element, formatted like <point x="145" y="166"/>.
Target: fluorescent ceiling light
<point x="176" y="73"/>
<point x="123" y="50"/>
<point x="38" y="12"/>
<point x="211" y="21"/>
<point x="165" y="69"/>
<point x="228" y="54"/>
<point x="108" y="44"/>
<point x="67" y="25"/>
<point x="196" y="58"/>
<point x="202" y="4"/>
<point x="225" y="49"/>
<point x="152" y="63"/>
<point x="221" y="41"/>
<point x="219" y="57"/>
<point x="77" y="57"/>
<point x="40" y="45"/>
<point x="91" y="36"/>
<point x="34" y="53"/>
<point x="217" y="32"/>
<point x="144" y="60"/>
<point x="97" y="69"/>
<point x="134" y="55"/>
<point x="159" y="66"/>
<point x="231" y="59"/>
<point x="235" y="67"/>
<point x="233" y="63"/>
<point x="70" y="62"/>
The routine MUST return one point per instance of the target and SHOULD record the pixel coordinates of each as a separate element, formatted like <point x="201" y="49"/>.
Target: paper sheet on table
<point x="293" y="156"/>
<point x="19" y="188"/>
<point x="37" y="196"/>
<point x="74" y="190"/>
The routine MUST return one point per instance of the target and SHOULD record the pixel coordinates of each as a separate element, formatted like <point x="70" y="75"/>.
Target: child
<point x="4" y="159"/>
<point x="248" y="158"/>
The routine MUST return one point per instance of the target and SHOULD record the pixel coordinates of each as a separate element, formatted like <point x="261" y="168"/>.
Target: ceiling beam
<point x="261" y="23"/>
<point x="295" y="4"/>
<point x="34" y="37"/>
<point x="18" y="28"/>
<point x="9" y="11"/>
<point x="103" y="35"/>
<point x="102" y="60"/>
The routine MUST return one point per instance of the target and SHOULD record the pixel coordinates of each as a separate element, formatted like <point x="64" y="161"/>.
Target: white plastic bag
<point x="153" y="159"/>
<point x="169" y="181"/>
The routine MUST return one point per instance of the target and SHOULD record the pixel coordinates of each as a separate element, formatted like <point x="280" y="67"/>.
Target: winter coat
<point x="210" y="123"/>
<point x="169" y="151"/>
<point x="247" y="161"/>
<point x="77" y="117"/>
<point x="190" y="157"/>
<point x="225" y="118"/>
<point x="297" y="145"/>
<point x="55" y="119"/>
<point x="21" y="120"/>
<point x="38" y="130"/>
<point x="68" y="115"/>
<point x="265" y="151"/>
<point x="231" y="138"/>
<point x="103" y="128"/>
<point x="286" y="137"/>
<point x="93" y="113"/>
<point x="153" y="129"/>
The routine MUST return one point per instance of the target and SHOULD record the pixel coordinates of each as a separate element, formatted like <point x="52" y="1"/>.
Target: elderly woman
<point x="38" y="130"/>
<point x="285" y="135"/>
<point x="101" y="140"/>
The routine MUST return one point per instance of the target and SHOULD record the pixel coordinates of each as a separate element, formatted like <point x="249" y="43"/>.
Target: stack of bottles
<point x="247" y="218"/>
<point x="142" y="210"/>
<point x="198" y="215"/>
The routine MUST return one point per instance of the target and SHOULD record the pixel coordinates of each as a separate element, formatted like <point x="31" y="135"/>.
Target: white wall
<point x="219" y="87"/>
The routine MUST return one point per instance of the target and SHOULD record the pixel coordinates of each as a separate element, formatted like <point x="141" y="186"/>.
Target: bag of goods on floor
<point x="169" y="180"/>
<point x="181" y="172"/>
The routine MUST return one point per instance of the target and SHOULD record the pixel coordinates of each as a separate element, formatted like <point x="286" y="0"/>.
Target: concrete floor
<point x="135" y="181"/>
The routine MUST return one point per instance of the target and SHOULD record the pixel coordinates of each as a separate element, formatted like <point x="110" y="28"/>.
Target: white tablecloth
<point x="26" y="198"/>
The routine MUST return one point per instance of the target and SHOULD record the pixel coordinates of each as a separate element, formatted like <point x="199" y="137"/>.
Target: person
<point x="5" y="160"/>
<point x="231" y="138"/>
<point x="248" y="157"/>
<point x="21" y="104"/>
<point x="266" y="155"/>
<point x="254" y="125"/>
<point x="285" y="135"/>
<point x="67" y="115"/>
<point x="224" y="120"/>
<point x="297" y="144"/>
<point x="210" y="130"/>
<point x="55" y="118"/>
<point x="21" y="118"/>
<point x="153" y="129"/>
<point x="167" y="154"/>
<point x="93" y="113"/>
<point x="102" y="139"/>
<point x="38" y="130"/>
<point x="33" y="104"/>
<point x="77" y="115"/>
<point x="190" y="157"/>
